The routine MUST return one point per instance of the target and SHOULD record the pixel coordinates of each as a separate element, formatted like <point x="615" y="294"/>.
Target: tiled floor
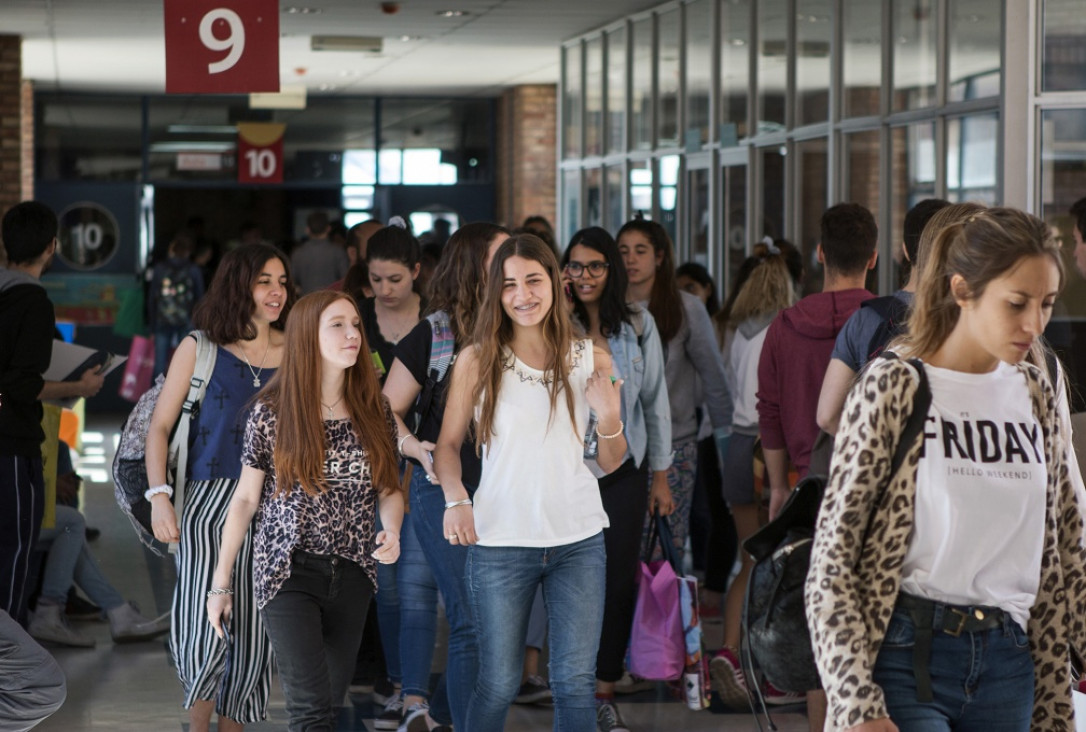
<point x="133" y="688"/>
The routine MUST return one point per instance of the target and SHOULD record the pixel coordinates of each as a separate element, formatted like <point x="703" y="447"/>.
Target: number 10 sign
<point x="260" y="152"/>
<point x="222" y="46"/>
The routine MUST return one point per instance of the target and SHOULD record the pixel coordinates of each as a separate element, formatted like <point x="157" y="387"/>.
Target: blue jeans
<point x="70" y="560"/>
<point x="980" y="681"/>
<point x="315" y="629"/>
<point x="502" y="583"/>
<point x="167" y="337"/>
<point x="387" y="602"/>
<point x="447" y="563"/>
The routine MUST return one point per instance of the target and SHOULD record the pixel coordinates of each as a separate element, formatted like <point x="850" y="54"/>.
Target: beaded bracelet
<point x="602" y="436"/>
<point x="220" y="591"/>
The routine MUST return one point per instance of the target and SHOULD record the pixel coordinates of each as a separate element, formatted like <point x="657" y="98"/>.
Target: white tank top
<point x="535" y="489"/>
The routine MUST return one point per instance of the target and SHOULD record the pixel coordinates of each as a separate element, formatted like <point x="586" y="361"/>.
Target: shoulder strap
<point x="915" y="424"/>
<point x="206" y="353"/>
<point x="442" y="345"/>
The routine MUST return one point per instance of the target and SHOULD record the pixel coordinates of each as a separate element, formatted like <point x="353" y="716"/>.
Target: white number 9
<point x="235" y="42"/>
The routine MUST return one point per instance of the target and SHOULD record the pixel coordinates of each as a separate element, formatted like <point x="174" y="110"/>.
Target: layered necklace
<point x="259" y="370"/>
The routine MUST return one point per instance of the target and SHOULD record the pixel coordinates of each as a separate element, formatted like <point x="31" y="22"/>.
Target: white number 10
<point x="235" y="42"/>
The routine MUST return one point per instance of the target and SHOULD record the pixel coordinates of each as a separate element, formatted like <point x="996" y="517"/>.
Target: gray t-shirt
<point x="317" y="264"/>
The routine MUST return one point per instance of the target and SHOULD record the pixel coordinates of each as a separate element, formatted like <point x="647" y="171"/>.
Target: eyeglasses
<point x="596" y="269"/>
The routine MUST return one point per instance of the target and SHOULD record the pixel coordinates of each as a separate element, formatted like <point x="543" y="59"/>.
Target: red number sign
<point x="260" y="152"/>
<point x="222" y="46"/>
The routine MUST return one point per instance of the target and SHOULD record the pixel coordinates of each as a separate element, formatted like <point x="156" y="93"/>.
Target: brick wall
<point x="11" y="122"/>
<point x="527" y="148"/>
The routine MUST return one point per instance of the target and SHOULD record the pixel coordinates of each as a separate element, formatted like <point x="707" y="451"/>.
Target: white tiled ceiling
<point x="95" y="45"/>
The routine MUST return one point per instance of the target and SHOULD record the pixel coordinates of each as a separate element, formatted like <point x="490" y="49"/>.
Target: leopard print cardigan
<point x="853" y="584"/>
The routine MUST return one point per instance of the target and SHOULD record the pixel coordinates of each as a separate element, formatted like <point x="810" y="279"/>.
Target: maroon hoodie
<point x="791" y="368"/>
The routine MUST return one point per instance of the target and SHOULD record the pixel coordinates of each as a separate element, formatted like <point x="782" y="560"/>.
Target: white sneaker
<point x="127" y="625"/>
<point x="630" y="684"/>
<point x="49" y="625"/>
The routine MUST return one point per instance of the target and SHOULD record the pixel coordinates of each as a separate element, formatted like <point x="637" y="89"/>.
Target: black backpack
<point x="894" y="314"/>
<point x="176" y="296"/>
<point x="774" y="616"/>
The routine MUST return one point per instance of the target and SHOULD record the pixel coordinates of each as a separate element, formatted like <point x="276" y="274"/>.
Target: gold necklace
<point x="331" y="409"/>
<point x="256" y="374"/>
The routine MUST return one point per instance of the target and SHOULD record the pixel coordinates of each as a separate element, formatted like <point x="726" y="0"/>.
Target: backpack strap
<point x="206" y="354"/>
<point x="442" y="345"/>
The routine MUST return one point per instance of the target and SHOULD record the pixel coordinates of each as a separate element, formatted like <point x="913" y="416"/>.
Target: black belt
<point x="929" y="616"/>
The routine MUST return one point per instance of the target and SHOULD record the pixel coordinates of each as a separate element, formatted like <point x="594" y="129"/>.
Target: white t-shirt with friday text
<point x="980" y="494"/>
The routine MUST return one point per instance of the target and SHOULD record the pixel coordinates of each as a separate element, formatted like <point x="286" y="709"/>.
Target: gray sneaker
<point x="50" y="626"/>
<point x="608" y="719"/>
<point x="534" y="690"/>
<point x="128" y="625"/>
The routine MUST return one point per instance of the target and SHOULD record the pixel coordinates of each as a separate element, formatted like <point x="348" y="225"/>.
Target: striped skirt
<point x="199" y="655"/>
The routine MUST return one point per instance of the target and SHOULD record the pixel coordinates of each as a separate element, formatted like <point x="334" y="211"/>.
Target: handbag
<point x="130" y="472"/>
<point x="138" y="369"/>
<point x="657" y="643"/>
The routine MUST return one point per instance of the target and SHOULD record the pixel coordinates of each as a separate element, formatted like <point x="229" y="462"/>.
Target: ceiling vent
<point x="367" y="44"/>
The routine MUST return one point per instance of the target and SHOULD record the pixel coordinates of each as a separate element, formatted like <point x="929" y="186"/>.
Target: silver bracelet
<point x="399" y="447"/>
<point x="454" y="504"/>
<point x="220" y="591"/>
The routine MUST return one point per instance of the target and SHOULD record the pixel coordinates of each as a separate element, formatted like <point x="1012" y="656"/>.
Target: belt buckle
<point x="961" y="622"/>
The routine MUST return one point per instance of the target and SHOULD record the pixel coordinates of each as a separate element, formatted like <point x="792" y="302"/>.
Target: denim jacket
<point x="646" y="411"/>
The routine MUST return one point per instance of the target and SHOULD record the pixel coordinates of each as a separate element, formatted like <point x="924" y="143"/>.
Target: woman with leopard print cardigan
<point x="948" y="595"/>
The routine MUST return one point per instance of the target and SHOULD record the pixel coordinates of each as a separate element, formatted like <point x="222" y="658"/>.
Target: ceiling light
<point x="345" y="43"/>
<point x="183" y="129"/>
<point x="408" y="39"/>
<point x="192" y="146"/>
<point x="304" y="11"/>
<point x="451" y="13"/>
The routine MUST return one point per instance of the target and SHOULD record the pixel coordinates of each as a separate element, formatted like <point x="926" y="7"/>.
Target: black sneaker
<point x="383" y="691"/>
<point x="534" y="690"/>
<point x="391" y="716"/>
<point x="608" y="719"/>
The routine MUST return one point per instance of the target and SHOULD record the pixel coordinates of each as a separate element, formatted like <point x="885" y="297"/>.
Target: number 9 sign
<point x="222" y="46"/>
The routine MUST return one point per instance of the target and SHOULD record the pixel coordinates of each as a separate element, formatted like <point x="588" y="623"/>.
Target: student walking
<point x="319" y="463"/>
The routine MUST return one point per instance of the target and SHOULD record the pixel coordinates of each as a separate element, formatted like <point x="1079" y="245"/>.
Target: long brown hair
<point x="458" y="285"/>
<point x="294" y="395"/>
<point x="665" y="303"/>
<point x="494" y="332"/>
<point x="225" y="312"/>
<point x="980" y="247"/>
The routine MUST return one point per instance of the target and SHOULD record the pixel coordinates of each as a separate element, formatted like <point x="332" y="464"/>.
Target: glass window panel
<point x="734" y="225"/>
<point x="1062" y="171"/>
<point x="862" y="68"/>
<point x="972" y="157"/>
<point x="699" y="215"/>
<point x="862" y="150"/>
<point x="641" y="187"/>
<point x="360" y="167"/>
<point x="669" y="194"/>
<point x="668" y="69"/>
<point x="616" y="91"/>
<point x="190" y="138"/>
<point x="772" y="63"/>
<point x="593" y="195"/>
<point x="811" y="174"/>
<point x="593" y="97"/>
<point x="1063" y="67"/>
<point x="699" y="72"/>
<point x="913" y="180"/>
<point x="459" y="130"/>
<point x="572" y="112"/>
<point x="734" y="70"/>
<point x="615" y="193"/>
<point x="358" y="197"/>
<point x="571" y="203"/>
<point x="914" y="54"/>
<point x="976" y="30"/>
<point x="813" y="29"/>
<point x="390" y="167"/>
<point x="772" y="161"/>
<point x="641" y="104"/>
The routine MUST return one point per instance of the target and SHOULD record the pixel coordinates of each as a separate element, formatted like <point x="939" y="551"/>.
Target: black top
<point x="413" y="351"/>
<point x="381" y="351"/>
<point x="26" y="347"/>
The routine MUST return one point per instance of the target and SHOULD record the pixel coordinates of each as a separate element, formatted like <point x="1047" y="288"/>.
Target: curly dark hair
<point x="225" y="313"/>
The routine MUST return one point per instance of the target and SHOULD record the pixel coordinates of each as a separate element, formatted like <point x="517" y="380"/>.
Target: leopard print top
<point x="852" y="584"/>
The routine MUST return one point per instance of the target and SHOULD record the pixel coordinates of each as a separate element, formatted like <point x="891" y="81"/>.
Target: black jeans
<point x="625" y="498"/>
<point x="315" y="625"/>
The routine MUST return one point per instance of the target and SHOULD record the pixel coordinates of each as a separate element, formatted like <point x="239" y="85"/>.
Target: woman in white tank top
<point x="945" y="596"/>
<point x="526" y="388"/>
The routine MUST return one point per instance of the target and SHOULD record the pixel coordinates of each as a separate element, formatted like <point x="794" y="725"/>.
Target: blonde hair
<point x="979" y="245"/>
<point x="768" y="289"/>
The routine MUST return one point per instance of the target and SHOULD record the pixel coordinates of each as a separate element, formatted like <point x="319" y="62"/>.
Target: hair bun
<point x="398" y="221"/>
